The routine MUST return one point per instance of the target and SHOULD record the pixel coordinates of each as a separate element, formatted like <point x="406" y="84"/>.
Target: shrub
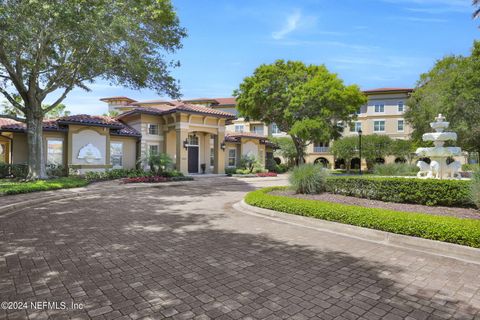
<point x="230" y="171"/>
<point x="449" y="229"/>
<point x="19" y="171"/>
<point x="452" y="193"/>
<point x="281" y="168"/>
<point x="475" y="188"/>
<point x="114" y="174"/>
<point x="54" y="170"/>
<point x="470" y="166"/>
<point x="395" y="169"/>
<point x="4" y="170"/>
<point x="308" y="178"/>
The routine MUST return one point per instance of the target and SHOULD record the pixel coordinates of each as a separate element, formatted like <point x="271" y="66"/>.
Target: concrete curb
<point x="438" y="248"/>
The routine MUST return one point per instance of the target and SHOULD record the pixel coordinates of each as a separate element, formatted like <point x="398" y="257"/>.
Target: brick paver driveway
<point x="182" y="252"/>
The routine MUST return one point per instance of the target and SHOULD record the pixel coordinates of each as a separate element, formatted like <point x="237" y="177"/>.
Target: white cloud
<point x="291" y="24"/>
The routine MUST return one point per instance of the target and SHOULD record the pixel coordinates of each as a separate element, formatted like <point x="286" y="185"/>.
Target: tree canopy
<point x="306" y="101"/>
<point x="346" y="148"/>
<point x="51" y="47"/>
<point x="451" y="87"/>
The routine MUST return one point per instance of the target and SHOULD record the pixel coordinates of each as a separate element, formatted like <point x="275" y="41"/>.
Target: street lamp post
<point x="360" y="149"/>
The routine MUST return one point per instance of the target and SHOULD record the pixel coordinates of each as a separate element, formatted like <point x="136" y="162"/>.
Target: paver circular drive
<point x="183" y="252"/>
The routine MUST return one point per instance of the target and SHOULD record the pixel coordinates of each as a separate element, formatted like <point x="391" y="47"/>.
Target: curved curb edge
<point x="433" y="247"/>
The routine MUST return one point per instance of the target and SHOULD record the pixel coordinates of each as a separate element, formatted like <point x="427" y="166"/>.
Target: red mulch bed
<point x="439" y="211"/>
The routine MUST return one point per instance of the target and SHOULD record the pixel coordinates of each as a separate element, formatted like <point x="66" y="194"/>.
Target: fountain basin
<point x="439" y="126"/>
<point x="442" y="152"/>
<point x="439" y="136"/>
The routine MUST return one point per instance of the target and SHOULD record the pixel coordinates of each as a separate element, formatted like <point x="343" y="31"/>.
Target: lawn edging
<point x="360" y="222"/>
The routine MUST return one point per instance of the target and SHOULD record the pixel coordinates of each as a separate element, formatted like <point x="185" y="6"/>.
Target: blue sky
<point x="373" y="43"/>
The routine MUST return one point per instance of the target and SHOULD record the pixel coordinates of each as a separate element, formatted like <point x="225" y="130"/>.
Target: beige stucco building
<point x="193" y="135"/>
<point x="383" y="114"/>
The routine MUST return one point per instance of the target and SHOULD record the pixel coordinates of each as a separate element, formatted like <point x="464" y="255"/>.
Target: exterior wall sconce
<point x="185" y="144"/>
<point x="222" y="146"/>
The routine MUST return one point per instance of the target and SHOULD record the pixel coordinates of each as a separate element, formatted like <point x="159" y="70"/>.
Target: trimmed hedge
<point x="430" y="192"/>
<point x="448" y="229"/>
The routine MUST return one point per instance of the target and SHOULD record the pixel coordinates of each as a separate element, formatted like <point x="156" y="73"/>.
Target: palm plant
<point x="158" y="163"/>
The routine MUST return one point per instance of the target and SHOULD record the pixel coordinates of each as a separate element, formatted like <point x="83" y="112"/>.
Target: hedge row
<point x="12" y="187"/>
<point x="448" y="229"/>
<point x="431" y="192"/>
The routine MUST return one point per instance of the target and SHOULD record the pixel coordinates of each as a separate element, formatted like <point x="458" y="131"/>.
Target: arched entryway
<point x="277" y="160"/>
<point x="355" y="164"/>
<point x="427" y="160"/>
<point x="400" y="160"/>
<point x="379" y="161"/>
<point x="322" y="161"/>
<point x="339" y="164"/>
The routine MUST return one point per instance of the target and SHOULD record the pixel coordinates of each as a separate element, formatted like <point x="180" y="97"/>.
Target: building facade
<point x="383" y="114"/>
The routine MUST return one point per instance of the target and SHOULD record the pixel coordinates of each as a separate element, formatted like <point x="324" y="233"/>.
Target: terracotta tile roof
<point x="245" y="135"/>
<point x="156" y="102"/>
<point x="187" y="108"/>
<point x="388" y="90"/>
<point x="103" y="121"/>
<point x="215" y="101"/>
<point x="117" y="127"/>
<point x="117" y="98"/>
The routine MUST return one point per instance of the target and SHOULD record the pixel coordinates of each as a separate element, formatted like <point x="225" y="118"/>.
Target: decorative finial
<point x="440" y="118"/>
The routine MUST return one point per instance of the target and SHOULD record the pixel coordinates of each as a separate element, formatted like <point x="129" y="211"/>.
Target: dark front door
<point x="193" y="159"/>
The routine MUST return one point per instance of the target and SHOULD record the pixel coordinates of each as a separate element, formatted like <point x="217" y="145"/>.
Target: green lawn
<point x="14" y="187"/>
<point x="449" y="229"/>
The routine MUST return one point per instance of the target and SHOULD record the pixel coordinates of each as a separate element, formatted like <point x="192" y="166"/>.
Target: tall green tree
<point x="403" y="149"/>
<point x="375" y="146"/>
<point x="451" y="87"/>
<point x="286" y="149"/>
<point x="346" y="148"/>
<point x="51" y="47"/>
<point x="307" y="102"/>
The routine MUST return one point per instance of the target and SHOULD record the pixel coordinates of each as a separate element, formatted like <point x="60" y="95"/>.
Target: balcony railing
<point x="321" y="149"/>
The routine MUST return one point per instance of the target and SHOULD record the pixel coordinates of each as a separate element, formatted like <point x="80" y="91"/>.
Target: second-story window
<point x="257" y="129"/>
<point x="401" y="107"/>
<point x="153" y="129"/>
<point x="239" y="127"/>
<point x="400" y="125"/>
<point x="379" y="107"/>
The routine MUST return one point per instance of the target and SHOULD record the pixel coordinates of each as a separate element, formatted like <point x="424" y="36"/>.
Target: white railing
<point x="321" y="149"/>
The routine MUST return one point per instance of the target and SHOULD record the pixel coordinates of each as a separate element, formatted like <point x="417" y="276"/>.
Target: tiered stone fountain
<point x="438" y="167"/>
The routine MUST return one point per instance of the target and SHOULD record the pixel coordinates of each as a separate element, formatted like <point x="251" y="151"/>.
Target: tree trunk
<point x="299" y="146"/>
<point x="36" y="158"/>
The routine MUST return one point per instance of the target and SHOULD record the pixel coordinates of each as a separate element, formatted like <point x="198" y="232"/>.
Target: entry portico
<point x="191" y="135"/>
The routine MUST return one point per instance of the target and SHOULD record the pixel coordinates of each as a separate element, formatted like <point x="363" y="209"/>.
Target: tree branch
<point x="12" y="100"/>
<point x="9" y="116"/>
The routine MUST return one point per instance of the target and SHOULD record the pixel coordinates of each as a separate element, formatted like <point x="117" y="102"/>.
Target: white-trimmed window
<point x="232" y="157"/>
<point x="55" y="151"/>
<point x="275" y="129"/>
<point x="116" y="154"/>
<point x="193" y="140"/>
<point x="379" y="107"/>
<point x="153" y="129"/>
<point x="401" y="106"/>
<point x="379" y="126"/>
<point x="153" y="149"/>
<point x="356" y="126"/>
<point x="257" y="129"/>
<point x="401" y="125"/>
<point x="239" y="128"/>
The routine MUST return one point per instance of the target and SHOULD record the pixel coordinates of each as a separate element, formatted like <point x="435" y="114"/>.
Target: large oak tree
<point x="51" y="47"/>
<point x="451" y="87"/>
<point x="306" y="101"/>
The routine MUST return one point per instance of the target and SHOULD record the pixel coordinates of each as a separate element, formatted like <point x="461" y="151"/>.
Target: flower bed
<point x="266" y="174"/>
<point x="155" y="179"/>
<point x="448" y="229"/>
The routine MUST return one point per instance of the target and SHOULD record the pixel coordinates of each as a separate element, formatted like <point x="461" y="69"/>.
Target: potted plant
<point x="203" y="167"/>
